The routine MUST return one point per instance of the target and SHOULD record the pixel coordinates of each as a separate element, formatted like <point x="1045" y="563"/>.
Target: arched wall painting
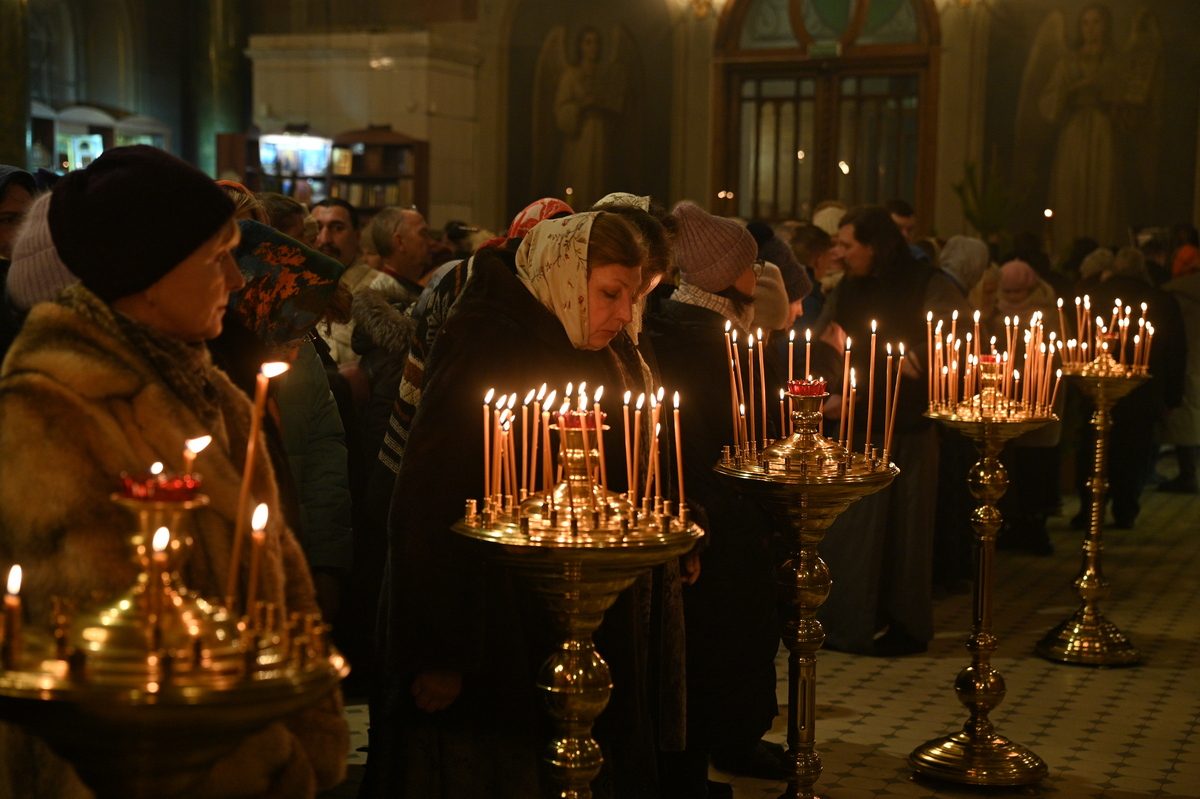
<point x="589" y="100"/>
<point x="1092" y="113"/>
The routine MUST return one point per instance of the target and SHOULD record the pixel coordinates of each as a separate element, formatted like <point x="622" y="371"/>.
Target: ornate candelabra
<point x="977" y="755"/>
<point x="1087" y="637"/>
<point x="142" y="693"/>
<point x="578" y="546"/>
<point x="804" y="482"/>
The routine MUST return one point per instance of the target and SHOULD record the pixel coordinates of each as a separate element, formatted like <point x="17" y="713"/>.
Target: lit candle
<point x="845" y="392"/>
<point x="887" y="389"/>
<point x="679" y="455"/>
<point x="533" y="439"/>
<point x="762" y="385"/>
<point x="1149" y="344"/>
<point x="268" y="371"/>
<point x="976" y="353"/>
<point x="929" y="351"/>
<point x="870" y="394"/>
<point x="12" y="620"/>
<point x="741" y="395"/>
<point x="733" y="389"/>
<point x="628" y="444"/>
<point x="525" y="438"/>
<point x="750" y="391"/>
<point x="808" y="354"/>
<point x="651" y="463"/>
<point x="783" y="420"/>
<point x="887" y="441"/>
<point x="499" y="414"/>
<point x="1054" y="396"/>
<point x="259" y="537"/>
<point x="637" y="449"/>
<point x="954" y="326"/>
<point x="791" y="353"/>
<point x="1087" y="319"/>
<point x="599" y="417"/>
<point x="487" y="441"/>
<point x="547" y="455"/>
<point x="742" y="416"/>
<point x="191" y="448"/>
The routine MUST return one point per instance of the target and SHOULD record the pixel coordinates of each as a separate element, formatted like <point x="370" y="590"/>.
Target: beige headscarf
<point x="552" y="263"/>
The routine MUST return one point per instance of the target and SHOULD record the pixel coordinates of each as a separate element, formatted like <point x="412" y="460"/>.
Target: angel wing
<point x="1033" y="130"/>
<point x="624" y="68"/>
<point x="551" y="64"/>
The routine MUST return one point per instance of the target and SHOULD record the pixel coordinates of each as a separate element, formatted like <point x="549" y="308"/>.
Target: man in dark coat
<point x="730" y="612"/>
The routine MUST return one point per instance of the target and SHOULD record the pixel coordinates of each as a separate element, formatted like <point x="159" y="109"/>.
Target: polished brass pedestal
<point x="977" y="754"/>
<point x="578" y="557"/>
<point x="1087" y="637"/>
<point x="804" y="482"/>
<point x="143" y="692"/>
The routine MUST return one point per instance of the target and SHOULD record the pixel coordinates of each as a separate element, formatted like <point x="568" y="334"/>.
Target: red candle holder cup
<point x="579" y="420"/>
<point x="160" y="487"/>
<point x="989" y="359"/>
<point x="806" y="388"/>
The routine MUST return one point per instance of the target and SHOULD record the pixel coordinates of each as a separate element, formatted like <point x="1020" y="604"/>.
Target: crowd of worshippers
<point x="141" y="297"/>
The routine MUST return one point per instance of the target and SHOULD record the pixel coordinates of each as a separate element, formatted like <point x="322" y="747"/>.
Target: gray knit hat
<point x="37" y="273"/>
<point x="712" y="252"/>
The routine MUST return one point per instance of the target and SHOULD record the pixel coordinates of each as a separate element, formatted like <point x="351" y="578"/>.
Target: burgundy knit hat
<point x="712" y="252"/>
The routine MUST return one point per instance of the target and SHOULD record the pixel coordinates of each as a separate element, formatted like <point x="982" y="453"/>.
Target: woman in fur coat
<point x="111" y="377"/>
<point x="465" y="641"/>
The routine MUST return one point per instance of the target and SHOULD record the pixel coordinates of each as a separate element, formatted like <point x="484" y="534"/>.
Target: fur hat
<point x="712" y="252"/>
<point x="132" y="216"/>
<point x="37" y="273"/>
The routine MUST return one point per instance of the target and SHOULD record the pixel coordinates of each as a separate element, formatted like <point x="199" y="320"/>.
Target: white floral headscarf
<point x="552" y="263"/>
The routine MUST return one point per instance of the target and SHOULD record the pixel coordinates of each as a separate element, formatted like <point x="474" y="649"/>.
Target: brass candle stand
<point x="1087" y="637"/>
<point x="142" y="693"/>
<point x="578" y="547"/>
<point x="804" y="482"/>
<point x="977" y="754"/>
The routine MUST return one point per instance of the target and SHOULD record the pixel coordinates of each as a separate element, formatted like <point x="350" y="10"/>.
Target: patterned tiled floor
<point x="1118" y="733"/>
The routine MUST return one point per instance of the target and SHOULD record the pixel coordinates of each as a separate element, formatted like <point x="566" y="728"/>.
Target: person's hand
<point x="689" y="568"/>
<point x="835" y="337"/>
<point x="436" y="690"/>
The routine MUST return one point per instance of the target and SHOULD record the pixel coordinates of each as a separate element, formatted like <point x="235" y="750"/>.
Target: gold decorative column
<point x="1087" y="637"/>
<point x="804" y="482"/>
<point x="577" y="547"/>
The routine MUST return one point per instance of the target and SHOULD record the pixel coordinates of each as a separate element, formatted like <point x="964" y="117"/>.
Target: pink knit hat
<point x="1017" y="275"/>
<point x="712" y="252"/>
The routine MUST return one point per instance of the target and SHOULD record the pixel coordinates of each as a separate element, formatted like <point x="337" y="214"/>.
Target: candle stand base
<point x="804" y="482"/>
<point x="977" y="755"/>
<point x="1087" y="638"/>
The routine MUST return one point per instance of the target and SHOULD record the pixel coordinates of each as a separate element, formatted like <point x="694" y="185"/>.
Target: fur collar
<point x="381" y="319"/>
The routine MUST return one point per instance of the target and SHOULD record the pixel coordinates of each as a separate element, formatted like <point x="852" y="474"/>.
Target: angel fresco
<point x="1097" y="106"/>
<point x="585" y="118"/>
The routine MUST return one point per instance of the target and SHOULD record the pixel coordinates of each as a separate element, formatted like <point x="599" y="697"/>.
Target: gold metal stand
<point x="1087" y="637"/>
<point x="578" y="556"/>
<point x="977" y="755"/>
<point x="144" y="692"/>
<point x="804" y="482"/>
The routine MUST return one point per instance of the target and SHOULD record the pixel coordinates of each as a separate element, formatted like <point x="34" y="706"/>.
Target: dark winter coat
<point x="449" y="607"/>
<point x="732" y="625"/>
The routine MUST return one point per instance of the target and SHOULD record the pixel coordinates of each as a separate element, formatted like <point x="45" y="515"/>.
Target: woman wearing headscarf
<point x="463" y="640"/>
<point x="1033" y="459"/>
<point x="111" y="377"/>
<point x="963" y="261"/>
<point x="732" y="626"/>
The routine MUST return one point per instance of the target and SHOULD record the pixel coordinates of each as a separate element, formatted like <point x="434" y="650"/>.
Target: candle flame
<point x="1144" y="307"/>
<point x="641" y="401"/>
<point x="657" y="430"/>
<point x="512" y="400"/>
<point x="792" y="335"/>
<point x="660" y="393"/>
<point x="500" y="403"/>
<point x="259" y="520"/>
<point x="1060" y="373"/>
<point x="570" y="387"/>
<point x="808" y="334"/>
<point x="873" y="324"/>
<point x="734" y="334"/>
<point x="504" y="427"/>
<point x="566" y="406"/>
<point x="529" y="396"/>
<point x="728" y="325"/>
<point x="1077" y="302"/>
<point x="889" y="348"/>
<point x="197" y="445"/>
<point x="742" y="408"/>
<point x="162" y="537"/>
<point x="628" y="394"/>
<point x="750" y="341"/>
<point x="541" y="392"/>
<point x="901" y="349"/>
<point x="760" y="334"/>
<point x="653" y="401"/>
<point x="274" y="369"/>
<point x="583" y="391"/>
<point x="596" y="397"/>
<point x="503" y="416"/>
<point x="487" y="398"/>
<point x="14" y="579"/>
<point x="945" y="370"/>
<point x="847" y="343"/>
<point x="854" y="380"/>
<point x="929" y="316"/>
<point x="156" y="468"/>
<point x="550" y="399"/>
<point x="953" y="316"/>
<point x="677" y="398"/>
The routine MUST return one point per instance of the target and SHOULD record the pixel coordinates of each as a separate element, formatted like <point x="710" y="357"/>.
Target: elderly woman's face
<point x="189" y="301"/>
<point x="1016" y="296"/>
<point x="611" y="292"/>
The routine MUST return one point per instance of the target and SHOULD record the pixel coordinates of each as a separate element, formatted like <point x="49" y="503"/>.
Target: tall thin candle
<point x="637" y="448"/>
<point x="487" y="440"/>
<point x="929" y="351"/>
<point x="741" y="392"/>
<point x="850" y="418"/>
<point x="525" y="439"/>
<point x="808" y="354"/>
<point x="887" y="390"/>
<point x="628" y="444"/>
<point x="891" y="428"/>
<point x="783" y="420"/>
<point x="762" y="385"/>
<point x="599" y="417"/>
<point x="870" y="394"/>
<point x="259" y="536"/>
<point x="733" y="389"/>
<point x="791" y="353"/>
<point x="262" y="383"/>
<point x="750" y="390"/>
<point x="679" y="454"/>
<point x="845" y="392"/>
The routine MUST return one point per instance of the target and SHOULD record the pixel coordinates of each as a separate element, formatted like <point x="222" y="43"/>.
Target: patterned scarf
<point x="690" y="295"/>
<point x="552" y="263"/>
<point x="184" y="367"/>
